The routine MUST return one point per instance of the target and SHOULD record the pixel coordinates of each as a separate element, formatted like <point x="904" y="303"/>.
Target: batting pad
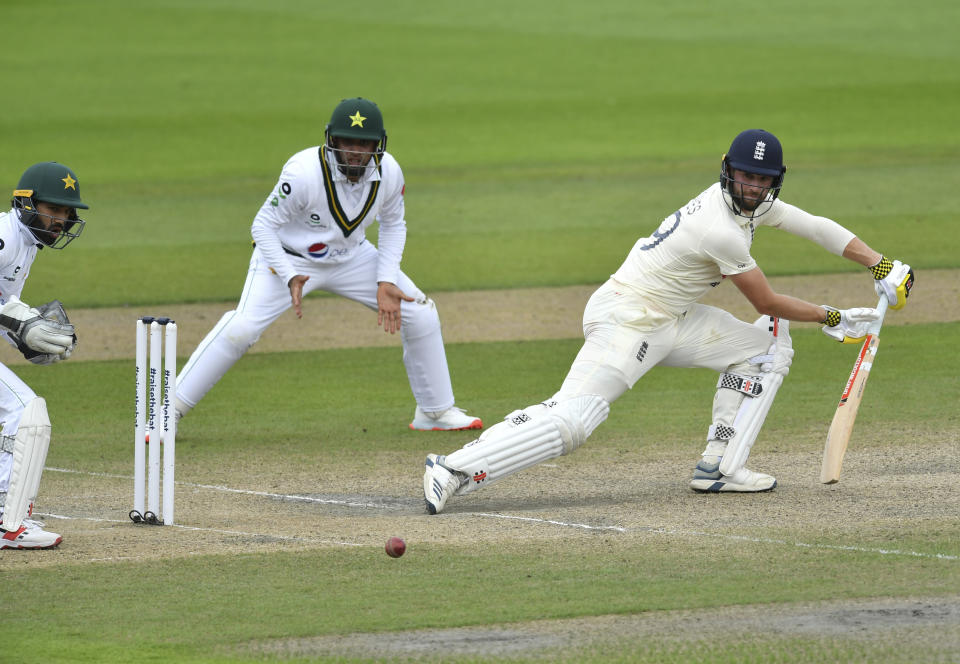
<point x="747" y="424"/>
<point x="504" y="449"/>
<point x="528" y="437"/>
<point x="577" y="416"/>
<point x="29" y="454"/>
<point x="746" y="400"/>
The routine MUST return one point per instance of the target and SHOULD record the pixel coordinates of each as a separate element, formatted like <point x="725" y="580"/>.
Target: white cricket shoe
<point x="451" y="419"/>
<point x="30" y="535"/>
<point x="439" y="483"/>
<point x="707" y="478"/>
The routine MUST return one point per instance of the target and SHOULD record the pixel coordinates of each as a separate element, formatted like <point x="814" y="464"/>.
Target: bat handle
<point x="882" y="306"/>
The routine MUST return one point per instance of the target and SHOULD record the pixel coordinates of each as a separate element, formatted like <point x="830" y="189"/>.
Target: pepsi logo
<point x="318" y="250"/>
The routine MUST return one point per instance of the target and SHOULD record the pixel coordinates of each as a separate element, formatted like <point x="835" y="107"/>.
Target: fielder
<point x="310" y="234"/>
<point x="647" y="314"/>
<point x="44" y="214"/>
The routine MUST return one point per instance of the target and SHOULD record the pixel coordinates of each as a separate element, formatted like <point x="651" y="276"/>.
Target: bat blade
<point x="841" y="427"/>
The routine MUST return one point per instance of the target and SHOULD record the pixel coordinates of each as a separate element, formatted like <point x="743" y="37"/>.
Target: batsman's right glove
<point x="848" y="326"/>
<point x="894" y="280"/>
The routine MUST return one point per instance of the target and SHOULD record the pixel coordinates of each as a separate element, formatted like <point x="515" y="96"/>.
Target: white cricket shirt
<point x="18" y="250"/>
<point x="316" y="213"/>
<point x="704" y="241"/>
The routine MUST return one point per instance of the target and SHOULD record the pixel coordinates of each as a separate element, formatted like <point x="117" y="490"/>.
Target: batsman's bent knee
<point x="577" y="417"/>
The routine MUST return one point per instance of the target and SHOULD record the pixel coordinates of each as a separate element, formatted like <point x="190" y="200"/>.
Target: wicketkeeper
<point x="648" y="313"/>
<point x="44" y="214"/>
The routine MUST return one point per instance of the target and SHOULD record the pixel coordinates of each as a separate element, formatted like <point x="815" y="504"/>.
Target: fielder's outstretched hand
<point x="296" y="293"/>
<point x="894" y="280"/>
<point x="389" y="297"/>
<point x="848" y="326"/>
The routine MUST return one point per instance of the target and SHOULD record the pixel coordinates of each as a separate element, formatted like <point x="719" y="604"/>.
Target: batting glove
<point x="893" y="280"/>
<point x="848" y="326"/>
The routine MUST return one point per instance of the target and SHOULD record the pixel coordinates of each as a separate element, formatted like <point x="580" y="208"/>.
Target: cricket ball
<point x="395" y="547"/>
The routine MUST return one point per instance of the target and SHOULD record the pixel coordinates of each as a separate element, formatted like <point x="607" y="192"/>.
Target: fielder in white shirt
<point x="310" y="234"/>
<point x="648" y="313"/>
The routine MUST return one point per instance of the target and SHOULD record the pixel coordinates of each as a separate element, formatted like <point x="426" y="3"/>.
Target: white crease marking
<point x="216" y="487"/>
<point x="288" y="538"/>
<point x="552" y="522"/>
<point x="743" y="538"/>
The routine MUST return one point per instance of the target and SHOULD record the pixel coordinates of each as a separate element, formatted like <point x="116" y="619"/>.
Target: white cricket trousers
<point x="624" y="338"/>
<point x="14" y="397"/>
<point x="265" y="297"/>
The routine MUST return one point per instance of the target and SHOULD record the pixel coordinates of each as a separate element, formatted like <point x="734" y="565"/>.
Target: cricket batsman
<point x="44" y="214"/>
<point x="648" y="313"/>
<point x="310" y="234"/>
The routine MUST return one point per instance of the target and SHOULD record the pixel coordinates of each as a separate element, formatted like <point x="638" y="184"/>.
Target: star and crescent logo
<point x="356" y="119"/>
<point x="69" y="182"/>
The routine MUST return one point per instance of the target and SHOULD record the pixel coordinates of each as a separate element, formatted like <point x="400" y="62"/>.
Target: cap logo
<point x="356" y="119"/>
<point x="69" y="182"/>
<point x="758" y="151"/>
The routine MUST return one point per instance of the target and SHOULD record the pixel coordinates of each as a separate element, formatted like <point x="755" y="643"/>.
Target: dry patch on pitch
<point x="926" y="626"/>
<point x="473" y="316"/>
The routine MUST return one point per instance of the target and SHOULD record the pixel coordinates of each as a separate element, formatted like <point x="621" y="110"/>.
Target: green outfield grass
<point x="539" y="140"/>
<point x="319" y="594"/>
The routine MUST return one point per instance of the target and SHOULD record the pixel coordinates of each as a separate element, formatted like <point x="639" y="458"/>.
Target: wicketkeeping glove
<point x="44" y="334"/>
<point x="894" y="280"/>
<point x="848" y="326"/>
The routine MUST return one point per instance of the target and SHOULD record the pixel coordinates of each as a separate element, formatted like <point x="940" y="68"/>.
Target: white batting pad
<point x="504" y="449"/>
<point x="528" y="437"/>
<point x="747" y="424"/>
<point x="577" y="417"/>
<point x="752" y="401"/>
<point x="29" y="454"/>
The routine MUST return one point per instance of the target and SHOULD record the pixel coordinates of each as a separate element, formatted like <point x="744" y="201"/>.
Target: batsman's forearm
<point x="792" y="308"/>
<point x="858" y="252"/>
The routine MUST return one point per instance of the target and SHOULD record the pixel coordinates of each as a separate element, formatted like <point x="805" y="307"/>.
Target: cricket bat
<point x="842" y="425"/>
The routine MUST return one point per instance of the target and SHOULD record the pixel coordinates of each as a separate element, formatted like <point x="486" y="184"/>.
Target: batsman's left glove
<point x="893" y="280"/>
<point x="848" y="326"/>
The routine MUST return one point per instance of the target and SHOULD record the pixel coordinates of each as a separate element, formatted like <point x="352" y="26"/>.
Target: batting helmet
<point x="53" y="183"/>
<point x="753" y="151"/>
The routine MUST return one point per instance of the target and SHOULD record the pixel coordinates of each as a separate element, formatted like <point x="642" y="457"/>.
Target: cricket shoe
<point x="451" y="419"/>
<point x="707" y="478"/>
<point x="439" y="483"/>
<point x="30" y="535"/>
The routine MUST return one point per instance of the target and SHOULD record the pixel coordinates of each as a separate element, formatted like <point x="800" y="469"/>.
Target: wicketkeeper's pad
<point x="29" y="454"/>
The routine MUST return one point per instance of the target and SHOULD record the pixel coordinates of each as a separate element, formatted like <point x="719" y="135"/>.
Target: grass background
<point x="541" y="136"/>
<point x="538" y="140"/>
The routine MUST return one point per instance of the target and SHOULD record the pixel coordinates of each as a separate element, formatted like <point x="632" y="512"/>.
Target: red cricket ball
<point x="395" y="547"/>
